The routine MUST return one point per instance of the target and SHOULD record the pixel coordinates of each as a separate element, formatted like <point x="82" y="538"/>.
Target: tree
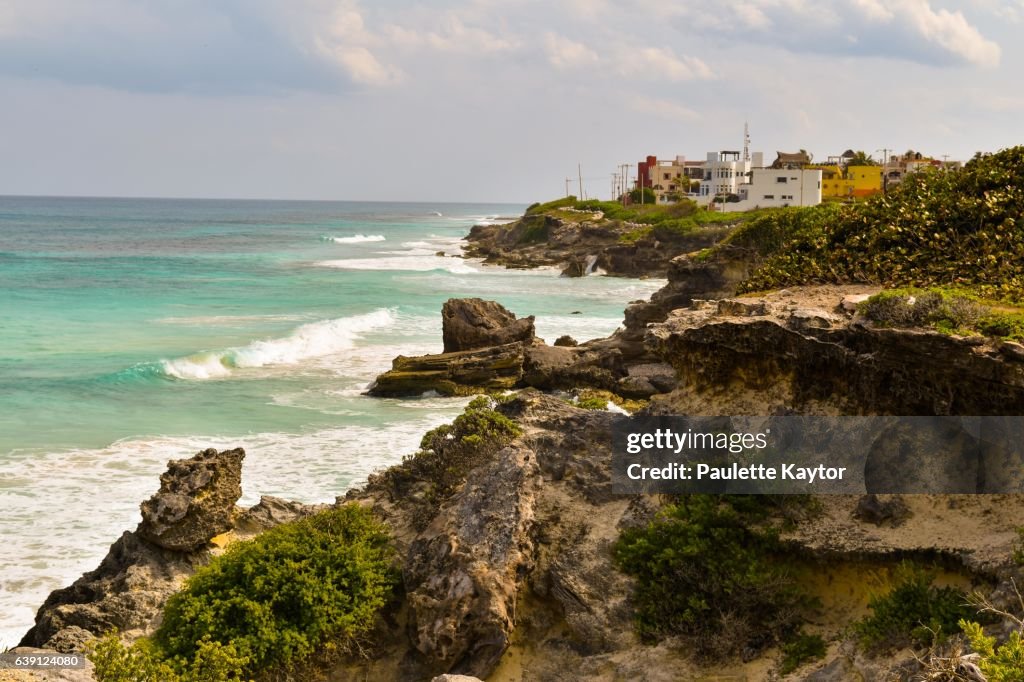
<point x="648" y="197"/>
<point x="861" y="158"/>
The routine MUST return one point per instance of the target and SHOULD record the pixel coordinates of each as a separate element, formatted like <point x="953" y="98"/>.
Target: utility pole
<point x="579" y="173"/>
<point x="567" y="181"/>
<point x="615" y="182"/>
<point x="625" y="182"/>
<point x="885" y="175"/>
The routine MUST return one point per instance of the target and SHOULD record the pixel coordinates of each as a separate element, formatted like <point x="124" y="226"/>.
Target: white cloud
<point x="661" y="63"/>
<point x="951" y="31"/>
<point x="361" y="65"/>
<point x="451" y="34"/>
<point x="909" y="29"/>
<point x="564" y="53"/>
<point x="662" y="108"/>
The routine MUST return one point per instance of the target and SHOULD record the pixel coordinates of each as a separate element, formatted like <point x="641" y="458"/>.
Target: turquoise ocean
<point x="135" y="331"/>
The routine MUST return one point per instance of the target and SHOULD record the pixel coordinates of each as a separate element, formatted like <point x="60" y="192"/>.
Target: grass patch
<point x="707" y="570"/>
<point x="267" y="604"/>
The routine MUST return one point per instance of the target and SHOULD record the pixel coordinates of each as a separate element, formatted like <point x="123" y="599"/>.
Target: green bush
<point x="448" y="453"/>
<point x="276" y="599"/>
<point x="913" y="612"/>
<point x="945" y="309"/>
<point x="143" y="662"/>
<point x="1004" y="663"/>
<point x="564" y="202"/>
<point x="800" y="650"/>
<point x="955" y="227"/>
<point x="706" y="570"/>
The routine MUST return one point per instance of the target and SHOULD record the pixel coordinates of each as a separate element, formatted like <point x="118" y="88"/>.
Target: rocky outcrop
<point x="526" y="362"/>
<point x="195" y="503"/>
<point x="794" y="351"/>
<point x="473" y="323"/>
<point x="585" y="243"/>
<point x="195" y="500"/>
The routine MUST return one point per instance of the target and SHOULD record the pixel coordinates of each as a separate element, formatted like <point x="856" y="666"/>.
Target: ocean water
<point x="137" y="331"/>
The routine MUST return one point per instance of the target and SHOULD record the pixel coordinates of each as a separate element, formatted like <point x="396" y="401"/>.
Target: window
<point x="769" y="196"/>
<point x="780" y="179"/>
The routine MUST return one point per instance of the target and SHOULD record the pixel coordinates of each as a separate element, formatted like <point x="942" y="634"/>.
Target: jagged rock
<point x="566" y="340"/>
<point x="458" y="373"/>
<point x="561" y="368"/>
<point x="738" y="307"/>
<point x="126" y="591"/>
<point x="462" y="574"/>
<point x="195" y="500"/>
<point x="273" y="511"/>
<point x="1012" y="350"/>
<point x="811" y="318"/>
<point x="473" y="323"/>
<point x="133" y="581"/>
<point x="575" y="268"/>
<point x="872" y="509"/>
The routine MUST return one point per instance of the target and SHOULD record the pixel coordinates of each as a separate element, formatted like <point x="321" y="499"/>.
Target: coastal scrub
<point x="300" y="588"/>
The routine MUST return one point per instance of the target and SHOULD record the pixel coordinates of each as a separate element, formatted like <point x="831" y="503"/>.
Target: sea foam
<point x="358" y="239"/>
<point x="313" y="340"/>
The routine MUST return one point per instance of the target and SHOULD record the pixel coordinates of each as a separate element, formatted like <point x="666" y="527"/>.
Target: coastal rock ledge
<point x="195" y="504"/>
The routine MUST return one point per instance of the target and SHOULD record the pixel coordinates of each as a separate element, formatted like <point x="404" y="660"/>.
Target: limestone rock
<point x="456" y="678"/>
<point x="473" y="323"/>
<point x="457" y="373"/>
<point x="851" y="301"/>
<point x="195" y="500"/>
<point x="566" y="340"/>
<point x="872" y="509"/>
<point x="462" y="574"/>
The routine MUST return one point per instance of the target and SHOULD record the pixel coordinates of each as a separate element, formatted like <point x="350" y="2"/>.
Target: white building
<point x="725" y="171"/>
<point x="777" y="187"/>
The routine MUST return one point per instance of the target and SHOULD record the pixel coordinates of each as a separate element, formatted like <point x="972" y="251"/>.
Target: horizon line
<point x="265" y="199"/>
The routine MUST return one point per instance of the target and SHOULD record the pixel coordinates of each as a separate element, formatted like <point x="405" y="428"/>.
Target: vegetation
<point x="947" y="309"/>
<point x="958" y="227"/>
<point x="707" y="570"/>
<point x="800" y="650"/>
<point x="647" y="196"/>
<point x="447" y="454"/>
<point x="266" y="604"/>
<point x="913" y="612"/>
<point x="1004" y="663"/>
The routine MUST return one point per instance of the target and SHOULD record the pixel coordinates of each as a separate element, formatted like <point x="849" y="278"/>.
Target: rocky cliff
<point x="583" y="242"/>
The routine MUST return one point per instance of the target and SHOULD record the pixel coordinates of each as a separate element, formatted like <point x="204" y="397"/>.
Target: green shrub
<point x="913" y="612"/>
<point x="945" y="309"/>
<point x="313" y="584"/>
<point x="143" y="662"/>
<point x="448" y="453"/>
<point x="706" y="570"/>
<point x="564" y="202"/>
<point x="800" y="650"/>
<point x="534" y="231"/>
<point x="956" y="227"/>
<point x="1004" y="663"/>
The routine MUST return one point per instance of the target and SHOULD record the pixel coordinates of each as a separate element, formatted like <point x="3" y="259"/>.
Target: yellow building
<point x="852" y="182"/>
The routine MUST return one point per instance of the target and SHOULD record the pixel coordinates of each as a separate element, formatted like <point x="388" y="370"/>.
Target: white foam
<point x="396" y="262"/>
<point x="69" y="506"/>
<point x="358" y="239"/>
<point x="313" y="340"/>
<point x="229" y="320"/>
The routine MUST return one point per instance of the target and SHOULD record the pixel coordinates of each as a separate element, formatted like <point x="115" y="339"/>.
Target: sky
<point x="480" y="100"/>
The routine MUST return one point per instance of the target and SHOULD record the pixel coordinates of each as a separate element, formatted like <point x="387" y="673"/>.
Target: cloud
<point x="233" y="46"/>
<point x="662" y="108"/>
<point x="661" y="63"/>
<point x="563" y="53"/>
<point x="905" y="29"/>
